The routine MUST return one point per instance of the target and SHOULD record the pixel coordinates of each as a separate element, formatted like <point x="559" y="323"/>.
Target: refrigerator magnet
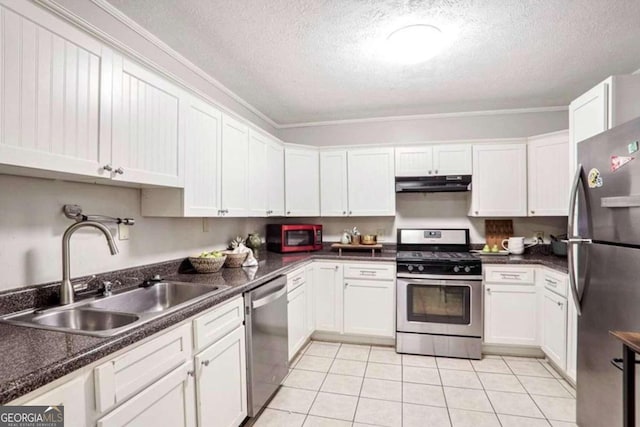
<point x="632" y="147"/>
<point x="619" y="161"/>
<point x="594" y="179"/>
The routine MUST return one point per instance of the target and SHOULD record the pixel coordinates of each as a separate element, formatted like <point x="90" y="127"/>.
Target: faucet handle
<point x="83" y="286"/>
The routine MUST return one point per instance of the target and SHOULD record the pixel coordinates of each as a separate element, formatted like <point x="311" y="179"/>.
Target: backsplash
<point x="32" y="223"/>
<point x="437" y="210"/>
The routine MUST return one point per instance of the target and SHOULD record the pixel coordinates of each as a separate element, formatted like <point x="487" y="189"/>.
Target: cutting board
<point x="496" y="230"/>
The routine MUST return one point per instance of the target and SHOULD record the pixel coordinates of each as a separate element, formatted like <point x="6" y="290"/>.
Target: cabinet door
<point x="588" y="116"/>
<point x="371" y="181"/>
<point x="510" y="315"/>
<point x="414" y="161"/>
<point x="168" y="402"/>
<point x="302" y="182"/>
<point x="257" y="187"/>
<point x="235" y="151"/>
<point x="147" y="142"/>
<point x="203" y="133"/>
<point x="549" y="178"/>
<point x="297" y="319"/>
<point x="311" y="316"/>
<point x="275" y="179"/>
<point x="77" y="398"/>
<point x="452" y="159"/>
<point x="499" y="185"/>
<point x="221" y="382"/>
<point x="572" y="339"/>
<point x="369" y="307"/>
<point x="327" y="284"/>
<point x="333" y="183"/>
<point x="55" y="86"/>
<point x="554" y="333"/>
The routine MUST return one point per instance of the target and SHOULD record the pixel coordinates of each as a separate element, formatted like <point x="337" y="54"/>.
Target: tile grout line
<point x="527" y="391"/>
<point x="446" y="403"/>
<point x="366" y="366"/>
<point x="487" y="394"/>
<point x="326" y="374"/>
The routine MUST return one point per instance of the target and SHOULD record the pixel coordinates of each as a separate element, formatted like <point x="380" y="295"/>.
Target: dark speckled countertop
<point x="31" y="358"/>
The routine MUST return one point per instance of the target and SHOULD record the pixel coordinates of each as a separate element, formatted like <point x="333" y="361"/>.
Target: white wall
<point x="32" y="223"/>
<point x="505" y="125"/>
<point x="432" y="210"/>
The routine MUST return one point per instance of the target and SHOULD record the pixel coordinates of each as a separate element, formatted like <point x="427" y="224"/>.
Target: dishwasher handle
<point x="269" y="298"/>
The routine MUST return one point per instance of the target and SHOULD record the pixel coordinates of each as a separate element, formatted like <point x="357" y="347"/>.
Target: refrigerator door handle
<point x="576" y="240"/>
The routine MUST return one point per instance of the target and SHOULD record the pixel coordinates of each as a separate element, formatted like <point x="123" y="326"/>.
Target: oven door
<point x="445" y="307"/>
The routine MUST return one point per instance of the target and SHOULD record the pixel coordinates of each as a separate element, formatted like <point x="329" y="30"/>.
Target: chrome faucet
<point x="66" y="290"/>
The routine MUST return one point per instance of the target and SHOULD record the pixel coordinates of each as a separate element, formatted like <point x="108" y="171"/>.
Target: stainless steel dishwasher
<point x="267" y="341"/>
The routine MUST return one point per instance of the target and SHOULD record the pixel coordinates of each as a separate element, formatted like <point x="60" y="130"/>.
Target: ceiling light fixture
<point x="415" y="43"/>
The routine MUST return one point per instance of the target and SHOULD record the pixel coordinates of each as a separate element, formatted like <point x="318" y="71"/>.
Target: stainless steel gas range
<point x="439" y="294"/>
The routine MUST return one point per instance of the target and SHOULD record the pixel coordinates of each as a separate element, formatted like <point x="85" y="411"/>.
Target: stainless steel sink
<point x="84" y="320"/>
<point x="108" y="316"/>
<point x="159" y="297"/>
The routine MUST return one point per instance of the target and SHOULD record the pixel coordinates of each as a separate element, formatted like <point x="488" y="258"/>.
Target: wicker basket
<point x="235" y="260"/>
<point x="207" y="265"/>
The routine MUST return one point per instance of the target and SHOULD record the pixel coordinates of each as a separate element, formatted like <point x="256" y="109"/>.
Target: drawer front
<point x="511" y="275"/>
<point x="295" y="279"/>
<point x="555" y="282"/>
<point x="126" y="375"/>
<point x="370" y="271"/>
<point x="217" y="323"/>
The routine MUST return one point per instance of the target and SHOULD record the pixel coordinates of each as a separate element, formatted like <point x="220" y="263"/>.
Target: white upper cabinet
<point x="54" y="114"/>
<point x="257" y="169"/>
<point x="610" y="103"/>
<point x="333" y="183"/>
<point x="235" y="165"/>
<point x="275" y="179"/>
<point x="548" y="157"/>
<point x="302" y="181"/>
<point x="416" y="160"/>
<point x="371" y="182"/>
<point x="454" y="159"/>
<point x="433" y="160"/>
<point x="499" y="187"/>
<point x="147" y="146"/>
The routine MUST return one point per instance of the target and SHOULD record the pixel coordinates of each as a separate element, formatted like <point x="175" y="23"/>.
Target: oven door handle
<point x="448" y="282"/>
<point x="413" y="278"/>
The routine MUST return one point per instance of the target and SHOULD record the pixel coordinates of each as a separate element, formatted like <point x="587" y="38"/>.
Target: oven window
<point x="439" y="304"/>
<point x="298" y="238"/>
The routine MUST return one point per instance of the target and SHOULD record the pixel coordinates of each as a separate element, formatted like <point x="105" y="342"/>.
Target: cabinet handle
<point x="429" y="172"/>
<point x="344" y="212"/>
<point x="346" y="284"/>
<point x="477" y="212"/>
<point x="107" y="167"/>
<point x="488" y="290"/>
<point x="119" y="171"/>
<point x="191" y="373"/>
<point x="533" y="212"/>
<point x="560" y="304"/>
<point x="336" y="267"/>
<point x="288" y="212"/>
<point x="350" y="212"/>
<point x="436" y="171"/>
<point x="205" y="363"/>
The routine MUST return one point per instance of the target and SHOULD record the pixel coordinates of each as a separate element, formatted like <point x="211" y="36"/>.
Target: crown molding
<point x="60" y="10"/>
<point x="427" y="116"/>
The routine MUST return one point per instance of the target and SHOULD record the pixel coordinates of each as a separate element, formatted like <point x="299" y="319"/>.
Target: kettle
<point x="346" y="238"/>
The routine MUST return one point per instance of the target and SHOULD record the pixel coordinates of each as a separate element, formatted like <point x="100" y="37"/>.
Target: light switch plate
<point x="123" y="232"/>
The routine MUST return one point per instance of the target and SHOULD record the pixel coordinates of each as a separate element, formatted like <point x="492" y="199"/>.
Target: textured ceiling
<point x="316" y="60"/>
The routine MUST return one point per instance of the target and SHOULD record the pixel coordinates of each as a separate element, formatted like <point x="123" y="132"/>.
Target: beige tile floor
<point x="332" y="384"/>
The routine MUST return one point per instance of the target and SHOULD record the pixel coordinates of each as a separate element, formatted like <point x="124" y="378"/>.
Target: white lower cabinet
<point x="311" y="312"/>
<point x="510" y="314"/>
<point x="572" y="339"/>
<point x="327" y="286"/>
<point x="169" y="402"/>
<point x="221" y="382"/>
<point x="369" y="307"/>
<point x="554" y="334"/>
<point x="297" y="319"/>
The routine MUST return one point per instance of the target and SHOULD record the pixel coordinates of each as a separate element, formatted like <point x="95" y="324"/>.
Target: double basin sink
<point x="110" y="315"/>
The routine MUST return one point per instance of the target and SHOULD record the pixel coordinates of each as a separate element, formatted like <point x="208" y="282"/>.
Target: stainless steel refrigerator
<point x="604" y="266"/>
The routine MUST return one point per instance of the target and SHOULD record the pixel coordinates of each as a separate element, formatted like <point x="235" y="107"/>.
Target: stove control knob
<point x="467" y="269"/>
<point x="421" y="268"/>
<point x="456" y="269"/>
<point x="410" y="267"/>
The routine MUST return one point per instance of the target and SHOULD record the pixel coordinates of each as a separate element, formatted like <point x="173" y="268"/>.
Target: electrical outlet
<point x="538" y="235"/>
<point x="123" y="232"/>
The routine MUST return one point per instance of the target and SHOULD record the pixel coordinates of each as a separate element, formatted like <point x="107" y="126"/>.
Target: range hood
<point x="433" y="184"/>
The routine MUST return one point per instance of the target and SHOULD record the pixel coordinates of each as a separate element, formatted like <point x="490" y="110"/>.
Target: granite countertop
<point x="551" y="261"/>
<point x="31" y="358"/>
